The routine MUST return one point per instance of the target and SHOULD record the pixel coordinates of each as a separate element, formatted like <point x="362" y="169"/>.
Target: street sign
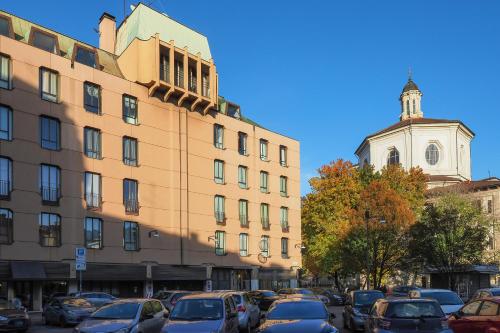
<point x="80" y="258"/>
<point x="81" y="266"/>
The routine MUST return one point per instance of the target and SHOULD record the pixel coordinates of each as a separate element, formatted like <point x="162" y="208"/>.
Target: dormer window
<point x="6" y="26"/>
<point x="85" y="56"/>
<point x="44" y="40"/>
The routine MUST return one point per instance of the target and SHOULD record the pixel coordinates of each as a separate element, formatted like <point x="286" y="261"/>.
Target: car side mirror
<point x="166" y="314"/>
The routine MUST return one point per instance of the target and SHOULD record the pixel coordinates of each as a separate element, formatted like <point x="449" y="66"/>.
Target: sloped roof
<point x="466" y="187"/>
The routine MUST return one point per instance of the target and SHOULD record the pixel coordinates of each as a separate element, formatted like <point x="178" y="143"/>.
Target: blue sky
<point x="330" y="72"/>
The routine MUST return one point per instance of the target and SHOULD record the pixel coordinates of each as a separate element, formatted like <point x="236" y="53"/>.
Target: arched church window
<point x="414" y="106"/>
<point x="393" y="158"/>
<point x="408" y="107"/>
<point x="432" y="154"/>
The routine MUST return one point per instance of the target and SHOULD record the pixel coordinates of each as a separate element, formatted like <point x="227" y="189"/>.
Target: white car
<point x="449" y="301"/>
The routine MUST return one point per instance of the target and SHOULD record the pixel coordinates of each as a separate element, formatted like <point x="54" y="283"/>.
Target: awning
<point x="169" y="273"/>
<point x="114" y="272"/>
<point x="27" y="270"/>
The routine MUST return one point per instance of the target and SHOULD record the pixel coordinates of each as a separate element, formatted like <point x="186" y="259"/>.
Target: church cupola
<point x="410" y="101"/>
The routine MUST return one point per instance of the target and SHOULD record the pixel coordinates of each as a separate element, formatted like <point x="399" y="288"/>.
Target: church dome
<point x="410" y="85"/>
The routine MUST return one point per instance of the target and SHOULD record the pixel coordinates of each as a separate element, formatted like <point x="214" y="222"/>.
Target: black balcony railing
<point x="243" y="220"/>
<point x="220" y="217"/>
<point x="93" y="200"/>
<point x="132" y="206"/>
<point x="50" y="194"/>
<point x="5" y="188"/>
<point x="265" y="222"/>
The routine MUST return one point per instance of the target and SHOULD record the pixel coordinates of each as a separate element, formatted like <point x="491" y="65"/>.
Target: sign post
<point x="80" y="262"/>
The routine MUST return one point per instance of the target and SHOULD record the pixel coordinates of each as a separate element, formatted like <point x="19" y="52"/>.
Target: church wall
<point x="464" y="158"/>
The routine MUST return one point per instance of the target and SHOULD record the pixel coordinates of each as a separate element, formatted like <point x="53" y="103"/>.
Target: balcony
<point x="5" y="189"/>
<point x="284" y="226"/>
<point x="244" y="221"/>
<point x="131" y="206"/>
<point x="50" y="195"/>
<point x="265" y="223"/>
<point x="220" y="217"/>
<point x="93" y="200"/>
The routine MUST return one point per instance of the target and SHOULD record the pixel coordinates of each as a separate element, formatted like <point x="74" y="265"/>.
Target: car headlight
<point x="2" y="318"/>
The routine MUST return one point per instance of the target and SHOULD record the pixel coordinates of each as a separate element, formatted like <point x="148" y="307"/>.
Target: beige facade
<point x="174" y="173"/>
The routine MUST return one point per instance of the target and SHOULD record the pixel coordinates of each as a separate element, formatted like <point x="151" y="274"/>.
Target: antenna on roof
<point x="409" y="73"/>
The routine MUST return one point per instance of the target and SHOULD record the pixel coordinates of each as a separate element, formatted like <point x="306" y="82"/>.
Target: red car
<point x="479" y="316"/>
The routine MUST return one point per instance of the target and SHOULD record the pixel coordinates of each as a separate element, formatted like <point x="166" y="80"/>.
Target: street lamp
<point x="153" y="233"/>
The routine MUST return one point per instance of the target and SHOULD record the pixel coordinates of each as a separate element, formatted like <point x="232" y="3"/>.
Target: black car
<point x="13" y="318"/>
<point x="335" y="298"/>
<point x="298" y="315"/>
<point x="406" y="315"/>
<point x="357" y="307"/>
<point x="66" y="311"/>
<point x="264" y="298"/>
<point x="402" y="291"/>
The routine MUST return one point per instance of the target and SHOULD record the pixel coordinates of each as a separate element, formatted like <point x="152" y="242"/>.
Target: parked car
<point x="483" y="293"/>
<point x="303" y="291"/>
<point x="248" y="311"/>
<point x="298" y="315"/>
<point x="449" y="300"/>
<point x="402" y="291"/>
<point x="264" y="298"/>
<point x="406" y="315"/>
<point x="66" y="311"/>
<point x="206" y="312"/>
<point x="335" y="298"/>
<point x="97" y="299"/>
<point x="357" y="307"/>
<point x="13" y="317"/>
<point x="172" y="297"/>
<point x="478" y="316"/>
<point x="126" y="316"/>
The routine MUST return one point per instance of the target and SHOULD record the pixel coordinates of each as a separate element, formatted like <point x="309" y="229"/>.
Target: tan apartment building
<point x="128" y="150"/>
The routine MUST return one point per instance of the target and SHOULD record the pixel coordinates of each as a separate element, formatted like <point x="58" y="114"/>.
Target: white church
<point x="440" y="147"/>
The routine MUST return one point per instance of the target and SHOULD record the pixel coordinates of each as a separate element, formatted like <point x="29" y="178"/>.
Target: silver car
<point x="97" y="299"/>
<point x="248" y="311"/>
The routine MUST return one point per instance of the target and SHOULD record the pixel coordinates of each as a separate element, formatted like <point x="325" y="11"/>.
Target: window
<point x="6" y="26"/>
<point x="432" y="154"/>
<point x="130" y="196"/>
<point x="5" y="123"/>
<point x="264" y="215"/>
<point x="244" y="245"/>
<point x="283" y="186"/>
<point x="219" y="136"/>
<point x="93" y="233"/>
<point x="414" y="107"/>
<point x="242" y="143"/>
<point x="50" y="183"/>
<point x="179" y="73"/>
<point x="488" y="309"/>
<point x="284" y="218"/>
<point x="164" y="67"/>
<point x="43" y="40"/>
<point x="219" y="171"/>
<point x="129" y="151"/>
<point x="284" y="248"/>
<point x="50" y="229"/>
<point x="283" y="156"/>
<point x="219" y="209"/>
<point x="243" y="210"/>
<point x="471" y="308"/>
<point x="490" y="206"/>
<point x="220" y="243"/>
<point x="408" y="106"/>
<point x="86" y="56"/>
<point x="264" y="246"/>
<point x="192" y="79"/>
<point x="205" y="84"/>
<point x="93" y="190"/>
<point x="129" y="105"/>
<point x="5" y="78"/>
<point x="243" y="176"/>
<point x="264" y="182"/>
<point x="130" y="236"/>
<point x="49" y="81"/>
<point x="91" y="97"/>
<point x="5" y="177"/>
<point x="6" y="227"/>
<point x="92" y="142"/>
<point x="393" y="158"/>
<point x="50" y="133"/>
<point x="263" y="149"/>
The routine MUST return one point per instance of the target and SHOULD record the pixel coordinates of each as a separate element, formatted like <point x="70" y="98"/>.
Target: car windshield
<point x="117" y="311"/>
<point x="303" y="291"/>
<point x="414" y="310"/>
<point x="364" y="299"/>
<point x="197" y="309"/>
<point x="268" y="293"/>
<point x="298" y="310"/>
<point x="76" y="302"/>
<point x="444" y="297"/>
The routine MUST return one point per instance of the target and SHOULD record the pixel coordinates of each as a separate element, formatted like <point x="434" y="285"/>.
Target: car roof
<point x="489" y="289"/>
<point x="406" y="300"/>
<point x="134" y="300"/>
<point x="435" y="290"/>
<point x="367" y="291"/>
<point x="297" y="299"/>
<point x="207" y="295"/>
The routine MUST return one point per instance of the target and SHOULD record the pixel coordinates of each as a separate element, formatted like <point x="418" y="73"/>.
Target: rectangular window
<point x="129" y="151"/>
<point x="244" y="245"/>
<point x="284" y="248"/>
<point x="130" y="236"/>
<point x="490" y="206"/>
<point x="179" y="73"/>
<point x="284" y="219"/>
<point x="5" y="26"/>
<point x="50" y="133"/>
<point x="6" y="226"/>
<point x="93" y="190"/>
<point x="263" y="150"/>
<point x="49" y="229"/>
<point x="219" y="171"/>
<point x="243" y="176"/>
<point x="264" y="215"/>
<point x="44" y="41"/>
<point x="243" y="210"/>
<point x="92" y="97"/>
<point x="164" y="67"/>
<point x="130" y="196"/>
<point x="264" y="176"/>
<point x="264" y="246"/>
<point x="49" y="82"/>
<point x="86" y="56"/>
<point x="283" y="156"/>
<point x="5" y="76"/>
<point x="283" y="186"/>
<point x="242" y="143"/>
<point x="219" y="136"/>
<point x="192" y="79"/>
<point x="130" y="111"/>
<point x="205" y="82"/>
<point x="5" y="123"/>
<point x="50" y="183"/>
<point x="5" y="177"/>
<point x="92" y="142"/>
<point x="93" y="233"/>
<point x="219" y="209"/>
<point x="220" y="243"/>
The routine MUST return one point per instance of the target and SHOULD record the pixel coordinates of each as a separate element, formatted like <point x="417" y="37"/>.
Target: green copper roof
<point x="145" y="22"/>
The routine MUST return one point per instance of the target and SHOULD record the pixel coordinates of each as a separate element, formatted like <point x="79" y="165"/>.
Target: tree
<point x="452" y="233"/>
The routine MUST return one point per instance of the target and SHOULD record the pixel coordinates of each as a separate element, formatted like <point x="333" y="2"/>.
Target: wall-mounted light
<point x="300" y="246"/>
<point x="154" y="233"/>
<point x="211" y="238"/>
